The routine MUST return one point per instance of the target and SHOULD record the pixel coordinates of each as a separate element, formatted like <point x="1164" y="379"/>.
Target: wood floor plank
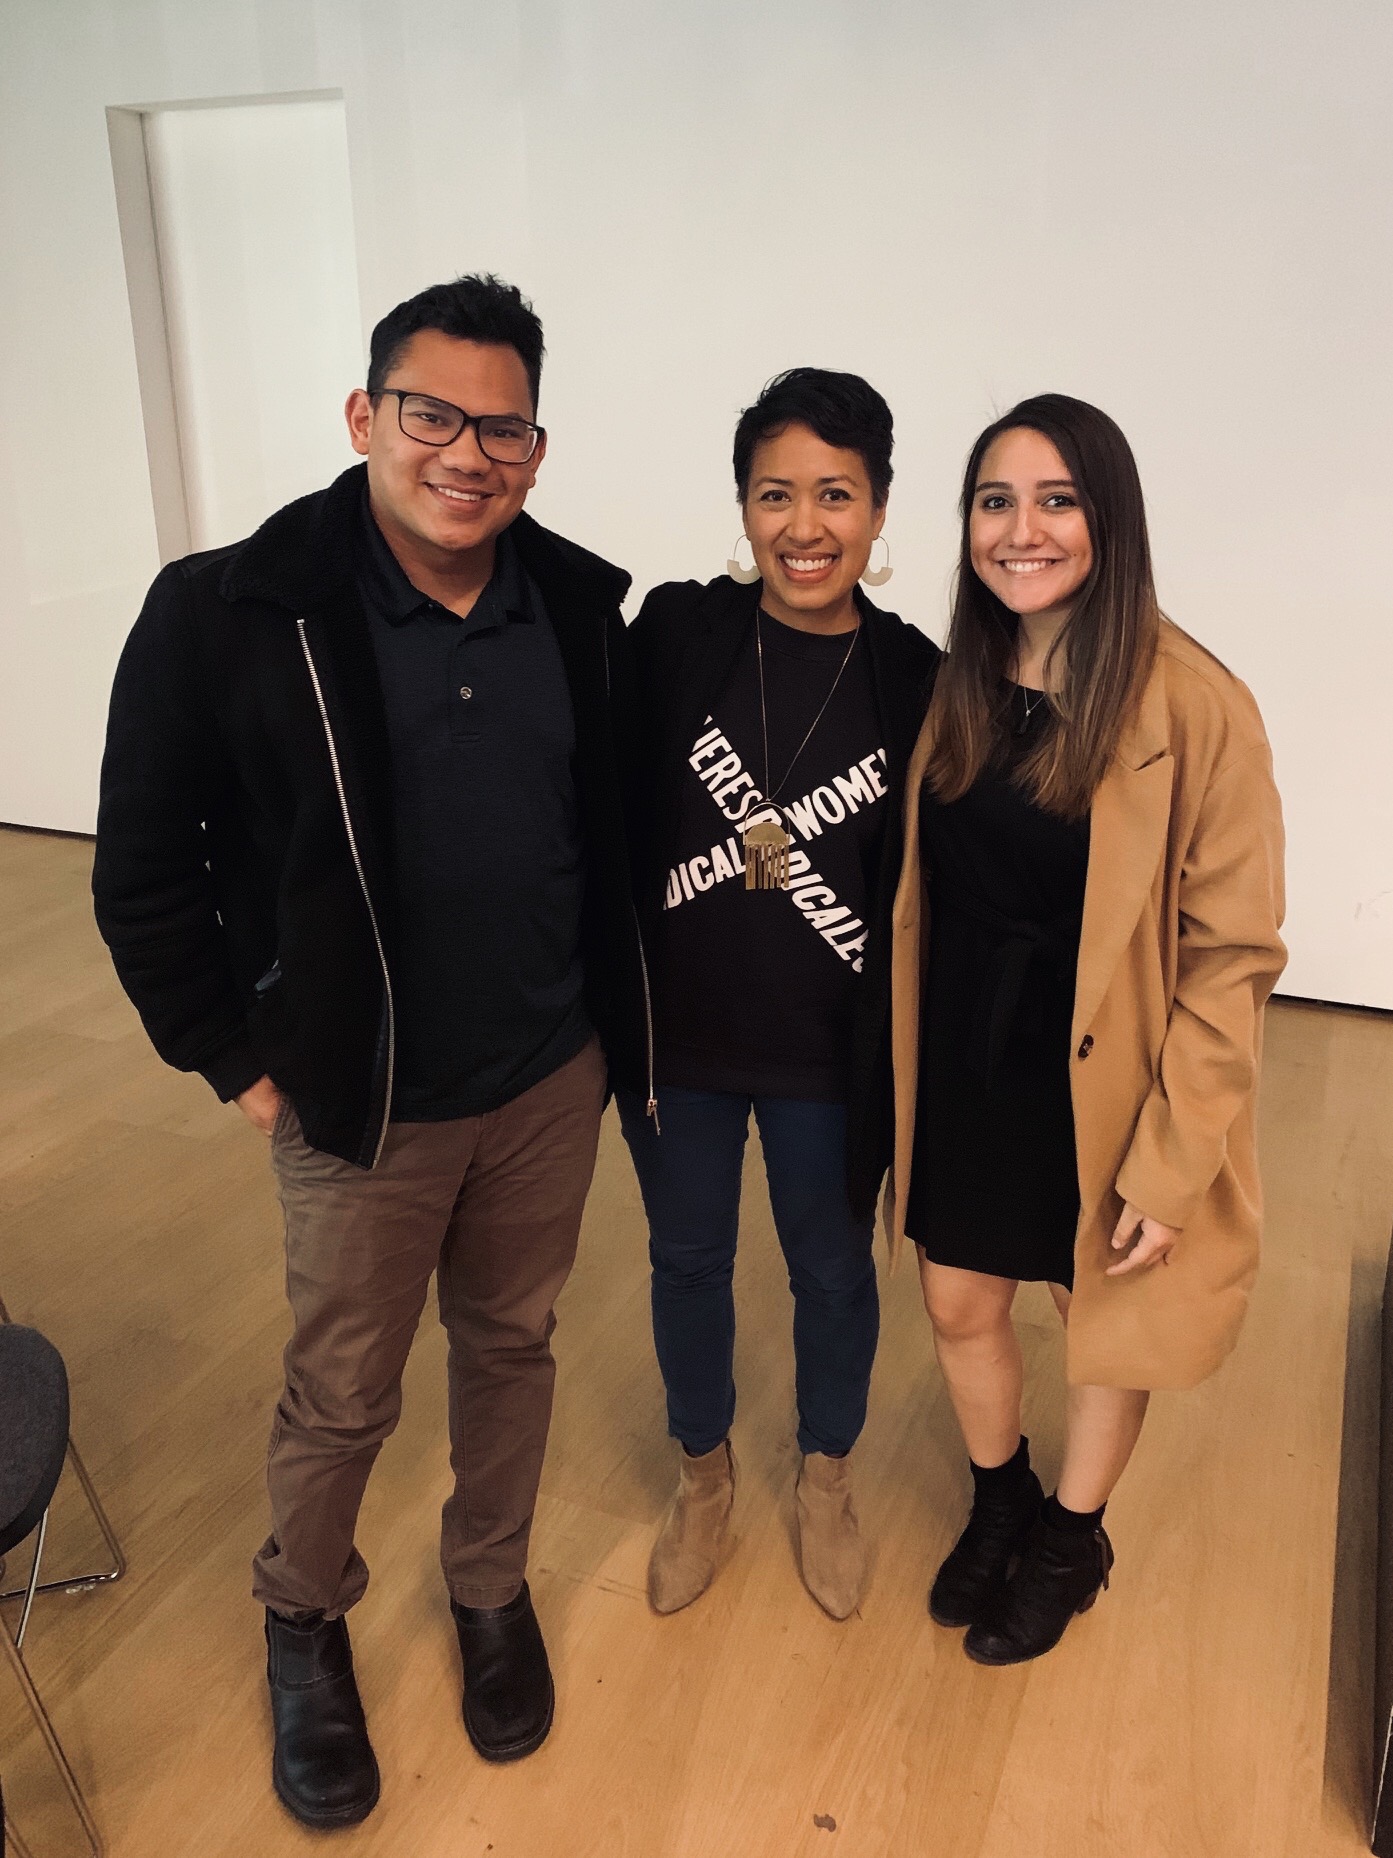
<point x="1201" y="1710"/>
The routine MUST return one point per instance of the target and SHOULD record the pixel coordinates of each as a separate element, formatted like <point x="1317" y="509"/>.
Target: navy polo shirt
<point x="487" y="981"/>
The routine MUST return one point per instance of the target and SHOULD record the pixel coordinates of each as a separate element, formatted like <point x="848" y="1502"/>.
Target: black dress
<point x="994" y="1185"/>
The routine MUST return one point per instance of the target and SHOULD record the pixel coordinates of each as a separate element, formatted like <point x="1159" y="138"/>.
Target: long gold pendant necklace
<point x="766" y="840"/>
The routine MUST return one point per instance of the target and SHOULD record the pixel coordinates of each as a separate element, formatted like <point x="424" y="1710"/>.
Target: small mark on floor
<point x="824" y="1822"/>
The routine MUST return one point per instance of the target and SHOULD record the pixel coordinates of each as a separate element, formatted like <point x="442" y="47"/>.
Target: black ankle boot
<point x="1061" y="1573"/>
<point x="324" y="1769"/>
<point x="977" y="1563"/>
<point x="508" y="1695"/>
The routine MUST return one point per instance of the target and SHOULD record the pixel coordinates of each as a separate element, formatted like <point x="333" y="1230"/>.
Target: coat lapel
<point x="897" y="687"/>
<point x="302" y="560"/>
<point x="1128" y="824"/>
<point x="909" y="927"/>
<point x="723" y="624"/>
<point x="339" y="641"/>
<point x="580" y="593"/>
<point x="717" y="635"/>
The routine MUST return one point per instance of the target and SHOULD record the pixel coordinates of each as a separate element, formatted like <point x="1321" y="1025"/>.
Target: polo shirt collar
<point x="398" y="599"/>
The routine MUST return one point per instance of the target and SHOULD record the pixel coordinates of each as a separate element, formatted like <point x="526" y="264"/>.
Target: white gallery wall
<point x="261" y="320"/>
<point x="1179" y="210"/>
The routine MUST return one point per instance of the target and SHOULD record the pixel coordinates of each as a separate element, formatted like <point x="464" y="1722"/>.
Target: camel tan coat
<point x="1178" y="954"/>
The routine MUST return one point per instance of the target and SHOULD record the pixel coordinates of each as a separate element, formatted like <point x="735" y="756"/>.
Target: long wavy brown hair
<point x="1105" y="649"/>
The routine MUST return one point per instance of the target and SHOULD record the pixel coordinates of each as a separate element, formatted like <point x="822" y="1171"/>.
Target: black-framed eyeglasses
<point x="502" y="436"/>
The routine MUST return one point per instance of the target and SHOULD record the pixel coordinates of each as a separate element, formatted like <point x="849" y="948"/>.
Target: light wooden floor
<point x="1186" y="1715"/>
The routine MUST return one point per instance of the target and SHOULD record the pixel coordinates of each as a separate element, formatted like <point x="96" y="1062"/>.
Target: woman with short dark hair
<point x="1086" y="933"/>
<point x="784" y="706"/>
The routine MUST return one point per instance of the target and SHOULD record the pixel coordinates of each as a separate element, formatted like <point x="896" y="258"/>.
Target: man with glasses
<point x="361" y="863"/>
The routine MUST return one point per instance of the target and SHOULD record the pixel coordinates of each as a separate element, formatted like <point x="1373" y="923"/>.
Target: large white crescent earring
<point x="877" y="577"/>
<point x="744" y="575"/>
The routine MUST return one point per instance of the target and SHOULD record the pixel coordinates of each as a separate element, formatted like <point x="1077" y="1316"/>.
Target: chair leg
<point x="33" y="1586"/>
<point x="55" y="1747"/>
<point x="79" y="1582"/>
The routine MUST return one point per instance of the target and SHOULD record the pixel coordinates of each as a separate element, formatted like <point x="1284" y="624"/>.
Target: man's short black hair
<point x="842" y="409"/>
<point x="478" y="308"/>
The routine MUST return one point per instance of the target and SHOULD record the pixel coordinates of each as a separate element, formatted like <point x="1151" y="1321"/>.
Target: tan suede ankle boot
<point x="687" y="1552"/>
<point x="831" y="1554"/>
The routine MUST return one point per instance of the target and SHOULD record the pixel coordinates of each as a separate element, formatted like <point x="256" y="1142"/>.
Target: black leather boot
<point x="1061" y="1573"/>
<point x="978" y="1561"/>
<point x="324" y="1769"/>
<point x="508" y="1696"/>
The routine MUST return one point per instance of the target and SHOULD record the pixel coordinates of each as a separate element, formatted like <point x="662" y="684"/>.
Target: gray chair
<point x="33" y="1446"/>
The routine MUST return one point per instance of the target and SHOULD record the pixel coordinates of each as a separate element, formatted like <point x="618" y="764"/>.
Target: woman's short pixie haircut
<point x="842" y="409"/>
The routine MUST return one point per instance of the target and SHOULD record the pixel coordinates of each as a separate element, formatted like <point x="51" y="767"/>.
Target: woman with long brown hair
<point x="1086" y="933"/>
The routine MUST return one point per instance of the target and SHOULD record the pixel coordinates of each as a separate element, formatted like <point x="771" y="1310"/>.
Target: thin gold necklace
<point x="767" y="841"/>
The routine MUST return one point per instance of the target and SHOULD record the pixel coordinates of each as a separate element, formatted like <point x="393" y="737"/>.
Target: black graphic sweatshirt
<point x="754" y="988"/>
<point x="692" y="647"/>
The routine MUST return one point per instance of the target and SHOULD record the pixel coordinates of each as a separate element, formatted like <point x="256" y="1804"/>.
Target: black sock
<point x="1072" y="1522"/>
<point x="1003" y="1477"/>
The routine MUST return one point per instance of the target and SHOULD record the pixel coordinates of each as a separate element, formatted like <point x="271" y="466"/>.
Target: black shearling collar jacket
<point x="243" y="840"/>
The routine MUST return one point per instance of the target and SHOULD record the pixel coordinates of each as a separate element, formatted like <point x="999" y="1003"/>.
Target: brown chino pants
<point x="492" y="1205"/>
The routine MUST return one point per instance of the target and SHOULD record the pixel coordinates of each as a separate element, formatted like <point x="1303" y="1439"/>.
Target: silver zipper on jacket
<point x="648" y="1016"/>
<point x="363" y="882"/>
<point x="652" y="1109"/>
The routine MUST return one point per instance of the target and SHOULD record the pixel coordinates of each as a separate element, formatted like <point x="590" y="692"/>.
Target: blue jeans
<point x="689" y="1176"/>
